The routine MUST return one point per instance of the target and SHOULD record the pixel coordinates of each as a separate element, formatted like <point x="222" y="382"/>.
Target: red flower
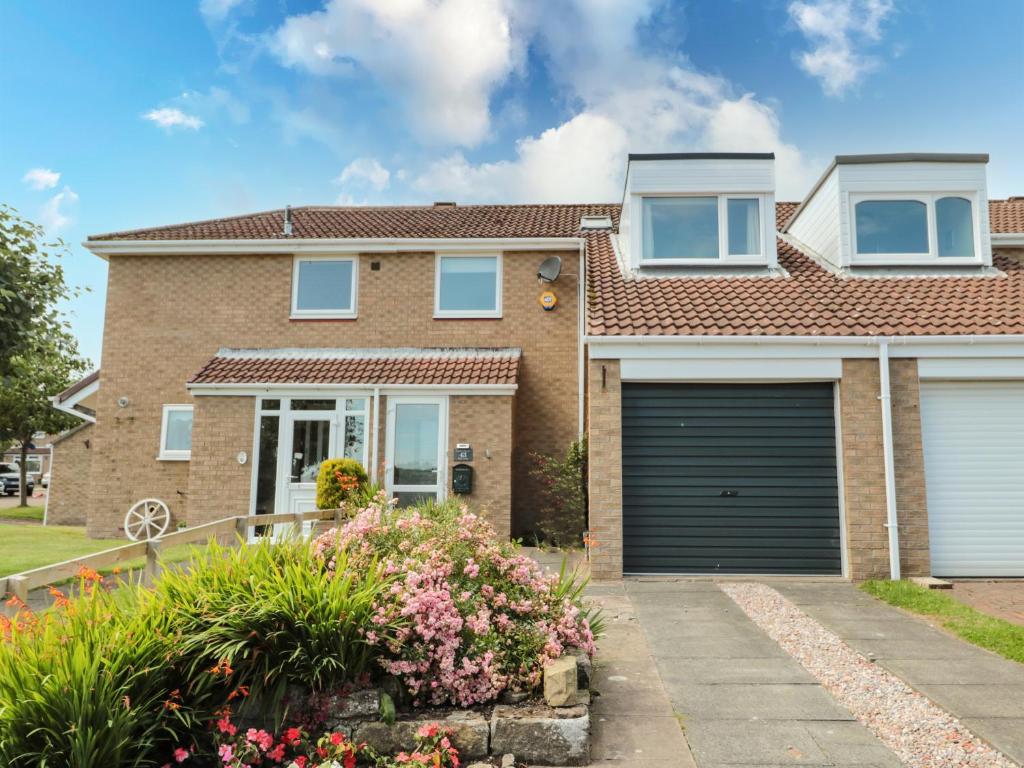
<point x="337" y="738"/>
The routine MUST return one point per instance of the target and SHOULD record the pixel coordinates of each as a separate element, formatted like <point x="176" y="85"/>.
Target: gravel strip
<point x="921" y="734"/>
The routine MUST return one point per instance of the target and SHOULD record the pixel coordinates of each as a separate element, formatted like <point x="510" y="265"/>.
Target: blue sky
<point x="124" y="115"/>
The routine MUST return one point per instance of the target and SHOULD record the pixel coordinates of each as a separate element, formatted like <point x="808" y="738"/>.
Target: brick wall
<point x="604" y="417"/>
<point x="908" y="455"/>
<point x="486" y="423"/>
<point x="167" y="315"/>
<point x="218" y="486"/>
<point x="864" y="469"/>
<point x="70" y="474"/>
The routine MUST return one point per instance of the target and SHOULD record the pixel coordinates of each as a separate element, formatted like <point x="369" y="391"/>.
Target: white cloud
<point x="41" y="178"/>
<point x="217" y="10"/>
<point x="366" y="170"/>
<point x="172" y="117"/>
<point x="442" y="58"/>
<point x="54" y="215"/>
<point x="837" y="31"/>
<point x="628" y="99"/>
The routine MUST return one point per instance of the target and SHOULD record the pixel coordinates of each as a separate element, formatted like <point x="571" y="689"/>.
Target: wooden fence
<point x="235" y="530"/>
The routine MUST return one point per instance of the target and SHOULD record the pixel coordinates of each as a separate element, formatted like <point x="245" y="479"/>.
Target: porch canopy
<point x="240" y="370"/>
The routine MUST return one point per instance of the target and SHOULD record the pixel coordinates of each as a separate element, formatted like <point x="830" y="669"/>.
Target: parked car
<point x="10" y="476"/>
<point x="45" y="480"/>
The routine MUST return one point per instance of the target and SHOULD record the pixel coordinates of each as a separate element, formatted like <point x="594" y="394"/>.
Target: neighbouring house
<point x="829" y="387"/>
<point x="37" y="458"/>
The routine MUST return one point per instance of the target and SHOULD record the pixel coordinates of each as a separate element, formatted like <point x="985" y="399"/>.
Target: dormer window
<point x="702" y="229"/>
<point x="913" y="229"/>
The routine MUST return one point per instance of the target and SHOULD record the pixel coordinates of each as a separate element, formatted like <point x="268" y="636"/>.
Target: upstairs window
<point x="709" y="229"/>
<point x="467" y="286"/>
<point x="324" y="287"/>
<point x="919" y="229"/>
<point x="176" y="433"/>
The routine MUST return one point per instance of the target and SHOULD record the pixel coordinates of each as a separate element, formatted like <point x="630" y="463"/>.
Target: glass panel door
<point x="417" y="433"/>
<point x="311" y="446"/>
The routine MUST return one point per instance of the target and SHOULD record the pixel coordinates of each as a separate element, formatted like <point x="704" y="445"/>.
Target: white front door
<point x="310" y="438"/>
<point x="293" y="437"/>
<point x="416" y="449"/>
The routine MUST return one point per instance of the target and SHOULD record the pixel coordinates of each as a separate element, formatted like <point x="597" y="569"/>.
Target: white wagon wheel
<point x="147" y="520"/>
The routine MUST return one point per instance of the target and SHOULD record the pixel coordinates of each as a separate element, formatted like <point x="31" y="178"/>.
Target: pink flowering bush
<point x="474" y="617"/>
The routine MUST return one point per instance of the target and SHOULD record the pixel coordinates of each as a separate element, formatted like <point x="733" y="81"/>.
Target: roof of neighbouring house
<point x="396" y="366"/>
<point x="442" y="221"/>
<point x="78" y="386"/>
<point x="808" y="301"/>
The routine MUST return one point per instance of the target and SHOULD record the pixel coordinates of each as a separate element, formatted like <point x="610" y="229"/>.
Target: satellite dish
<point x="550" y="269"/>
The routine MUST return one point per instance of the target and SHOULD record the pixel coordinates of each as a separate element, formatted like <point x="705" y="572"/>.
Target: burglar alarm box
<point x="462" y="478"/>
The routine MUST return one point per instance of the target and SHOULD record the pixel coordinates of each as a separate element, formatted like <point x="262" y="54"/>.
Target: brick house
<point x="766" y="387"/>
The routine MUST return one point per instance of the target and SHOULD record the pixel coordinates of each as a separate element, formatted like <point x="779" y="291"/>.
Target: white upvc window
<point x="467" y="285"/>
<point x="176" y="433"/>
<point x="324" y="287"/>
<point x="698" y="229"/>
<point x="908" y="229"/>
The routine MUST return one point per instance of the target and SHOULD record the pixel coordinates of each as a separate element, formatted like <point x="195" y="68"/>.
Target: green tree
<point x="38" y="355"/>
<point x="31" y="285"/>
<point x="49" y="367"/>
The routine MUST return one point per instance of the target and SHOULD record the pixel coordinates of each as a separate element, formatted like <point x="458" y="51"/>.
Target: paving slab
<point x="632" y="721"/>
<point x="735" y="670"/>
<point x="741" y="698"/>
<point x="983" y="690"/>
<point x="965" y="671"/>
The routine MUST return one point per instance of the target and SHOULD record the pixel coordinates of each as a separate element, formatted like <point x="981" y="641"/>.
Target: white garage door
<point x="973" y="435"/>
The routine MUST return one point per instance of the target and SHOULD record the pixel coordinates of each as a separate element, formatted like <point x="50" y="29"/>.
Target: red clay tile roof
<point x="394" y="221"/>
<point x="811" y="301"/>
<point x="366" y="366"/>
<point x="1006" y="215"/>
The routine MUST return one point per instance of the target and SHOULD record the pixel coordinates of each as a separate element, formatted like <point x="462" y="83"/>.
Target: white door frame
<point x="442" y="445"/>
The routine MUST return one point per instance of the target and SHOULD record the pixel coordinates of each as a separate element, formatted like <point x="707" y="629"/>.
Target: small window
<point x="468" y="286"/>
<point x="955" y="226"/>
<point x="680" y="227"/>
<point x="892" y="227"/>
<point x="324" y="287"/>
<point x="176" y="433"/>
<point x="744" y="215"/>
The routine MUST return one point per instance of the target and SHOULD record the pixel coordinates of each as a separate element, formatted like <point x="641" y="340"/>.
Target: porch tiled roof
<point x="472" y="366"/>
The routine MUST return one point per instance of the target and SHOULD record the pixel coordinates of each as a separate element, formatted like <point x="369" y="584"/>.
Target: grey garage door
<point x="729" y="478"/>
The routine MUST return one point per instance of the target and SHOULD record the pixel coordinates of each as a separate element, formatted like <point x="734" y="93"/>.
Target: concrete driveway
<point x="744" y="701"/>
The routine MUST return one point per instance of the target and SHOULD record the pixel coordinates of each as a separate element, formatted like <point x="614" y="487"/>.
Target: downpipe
<point x="885" y="399"/>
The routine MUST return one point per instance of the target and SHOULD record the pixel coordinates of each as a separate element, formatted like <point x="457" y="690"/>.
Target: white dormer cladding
<point x="933" y="208"/>
<point x="734" y="192"/>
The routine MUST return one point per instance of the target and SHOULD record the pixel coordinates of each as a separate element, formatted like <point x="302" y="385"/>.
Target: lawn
<point x="976" y="627"/>
<point x="22" y="513"/>
<point x="24" y="547"/>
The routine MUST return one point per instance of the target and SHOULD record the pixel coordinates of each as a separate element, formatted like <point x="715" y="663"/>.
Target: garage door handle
<point x="730" y="494"/>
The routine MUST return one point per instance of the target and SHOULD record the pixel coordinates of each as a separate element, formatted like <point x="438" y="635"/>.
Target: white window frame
<point x="468" y="313"/>
<point x="931" y="258"/>
<point x="441" y="488"/>
<point x="325" y="314"/>
<point x="724" y="259"/>
<point x="173" y="455"/>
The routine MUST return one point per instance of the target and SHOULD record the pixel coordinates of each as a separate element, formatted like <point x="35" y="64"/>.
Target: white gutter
<point x="1007" y="238"/>
<point x="884" y="398"/>
<point x="870" y="341"/>
<point x="290" y="245"/>
<point x="376" y="433"/>
<point x="581" y="309"/>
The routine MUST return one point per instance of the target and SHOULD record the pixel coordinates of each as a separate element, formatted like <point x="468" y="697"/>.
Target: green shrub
<point x="562" y="494"/>
<point x="338" y="478"/>
<point x="269" y="615"/>
<point x="92" y="684"/>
